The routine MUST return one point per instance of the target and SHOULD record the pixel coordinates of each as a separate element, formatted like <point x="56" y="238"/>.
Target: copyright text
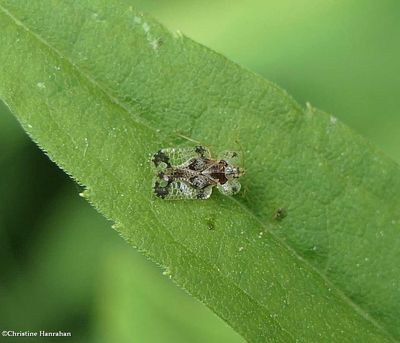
<point x="41" y="333"/>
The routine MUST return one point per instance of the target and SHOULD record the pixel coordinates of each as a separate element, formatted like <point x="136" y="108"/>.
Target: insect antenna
<point x="189" y="139"/>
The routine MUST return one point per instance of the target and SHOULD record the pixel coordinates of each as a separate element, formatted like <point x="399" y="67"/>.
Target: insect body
<point x="191" y="173"/>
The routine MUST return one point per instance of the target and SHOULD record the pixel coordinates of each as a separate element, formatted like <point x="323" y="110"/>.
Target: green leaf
<point x="101" y="87"/>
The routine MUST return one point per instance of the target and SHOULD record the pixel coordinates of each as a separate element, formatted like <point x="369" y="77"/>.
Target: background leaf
<point x="130" y="101"/>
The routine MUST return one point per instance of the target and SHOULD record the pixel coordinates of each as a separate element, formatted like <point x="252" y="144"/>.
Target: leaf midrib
<point x="138" y="121"/>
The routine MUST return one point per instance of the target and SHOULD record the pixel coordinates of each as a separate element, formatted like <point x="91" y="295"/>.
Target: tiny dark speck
<point x="210" y="224"/>
<point x="279" y="214"/>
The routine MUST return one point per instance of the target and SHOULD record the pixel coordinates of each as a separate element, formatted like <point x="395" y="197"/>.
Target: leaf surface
<point x="101" y="87"/>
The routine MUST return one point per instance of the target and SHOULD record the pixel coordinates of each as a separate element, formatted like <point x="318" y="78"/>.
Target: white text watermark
<point x="40" y="333"/>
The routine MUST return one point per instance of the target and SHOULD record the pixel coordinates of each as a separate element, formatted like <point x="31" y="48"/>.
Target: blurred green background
<point x="64" y="268"/>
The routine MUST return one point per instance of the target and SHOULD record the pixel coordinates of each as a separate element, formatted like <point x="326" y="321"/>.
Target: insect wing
<point x="232" y="157"/>
<point x="178" y="190"/>
<point x="166" y="161"/>
<point x="231" y="187"/>
<point x="179" y="156"/>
